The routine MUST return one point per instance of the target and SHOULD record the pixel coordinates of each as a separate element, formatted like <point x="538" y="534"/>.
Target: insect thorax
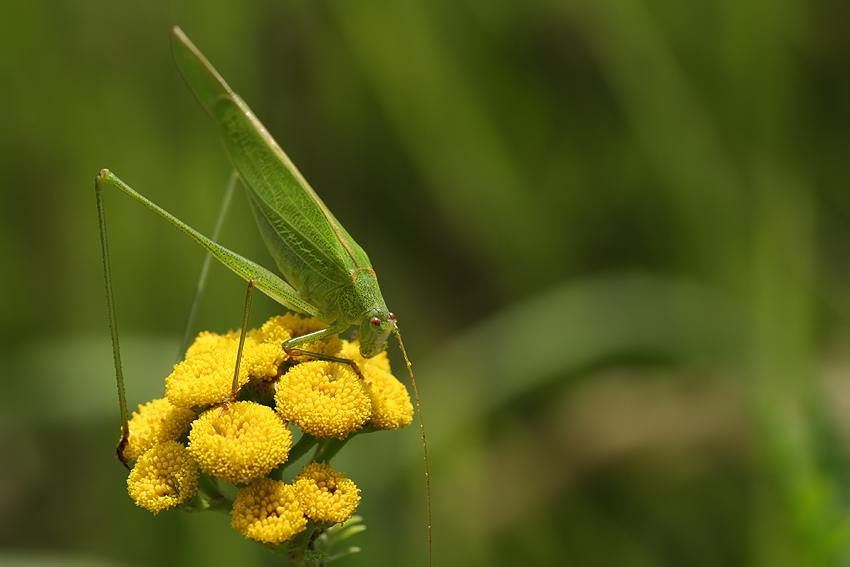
<point x="359" y="297"/>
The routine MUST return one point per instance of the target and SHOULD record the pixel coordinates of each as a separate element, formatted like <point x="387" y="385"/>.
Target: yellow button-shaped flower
<point x="324" y="399"/>
<point x="268" y="511"/>
<point x="204" y="379"/>
<point x="164" y="476"/>
<point x="391" y="407"/>
<point x="326" y="496"/>
<point x="156" y="422"/>
<point x="239" y="443"/>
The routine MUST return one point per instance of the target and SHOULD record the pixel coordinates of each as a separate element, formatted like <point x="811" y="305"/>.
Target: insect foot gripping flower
<point x="326" y="497"/>
<point x="324" y="399"/>
<point x="240" y="442"/>
<point x="164" y="476"/>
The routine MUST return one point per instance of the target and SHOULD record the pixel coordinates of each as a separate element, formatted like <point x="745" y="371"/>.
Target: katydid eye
<point x="392" y="316"/>
<point x="375" y="321"/>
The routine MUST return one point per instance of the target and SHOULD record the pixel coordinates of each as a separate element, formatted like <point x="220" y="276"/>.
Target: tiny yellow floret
<point x="164" y="476"/>
<point x="204" y="379"/>
<point x="207" y="341"/>
<point x="156" y="422"/>
<point x="268" y="511"/>
<point x="276" y="330"/>
<point x="391" y="407"/>
<point x="240" y="442"/>
<point x="326" y="496"/>
<point x="324" y="399"/>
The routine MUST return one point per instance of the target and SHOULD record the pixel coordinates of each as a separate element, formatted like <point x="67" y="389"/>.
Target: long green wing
<point x="302" y="234"/>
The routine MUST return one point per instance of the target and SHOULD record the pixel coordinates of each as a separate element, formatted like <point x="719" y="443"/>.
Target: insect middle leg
<point x="291" y="347"/>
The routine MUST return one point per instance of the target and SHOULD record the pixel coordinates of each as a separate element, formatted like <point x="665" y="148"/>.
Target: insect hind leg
<point x="113" y="319"/>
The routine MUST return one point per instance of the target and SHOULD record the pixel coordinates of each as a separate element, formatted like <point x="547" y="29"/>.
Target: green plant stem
<point x="300" y="449"/>
<point x="329" y="448"/>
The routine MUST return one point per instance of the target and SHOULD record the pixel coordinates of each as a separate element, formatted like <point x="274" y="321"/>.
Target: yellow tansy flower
<point x="239" y="443"/>
<point x="156" y="422"/>
<point x="164" y="476"/>
<point x="204" y="379"/>
<point x="268" y="511"/>
<point x="391" y="407"/>
<point x="262" y="360"/>
<point x="324" y="399"/>
<point x="207" y="341"/>
<point x="276" y="330"/>
<point x="351" y="351"/>
<point x="326" y="496"/>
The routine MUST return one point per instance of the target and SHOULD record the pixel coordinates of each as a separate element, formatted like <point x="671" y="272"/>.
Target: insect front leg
<point x="291" y="346"/>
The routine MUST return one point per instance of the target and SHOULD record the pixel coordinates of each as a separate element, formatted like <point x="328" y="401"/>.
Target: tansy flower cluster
<point x="206" y="447"/>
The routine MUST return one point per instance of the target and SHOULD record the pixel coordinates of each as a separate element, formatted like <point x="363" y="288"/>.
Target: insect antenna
<point x="397" y="334"/>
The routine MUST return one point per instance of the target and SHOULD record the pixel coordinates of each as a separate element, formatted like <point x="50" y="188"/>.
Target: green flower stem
<point x="209" y="497"/>
<point x="300" y="449"/>
<point x="213" y="497"/>
<point x="297" y="547"/>
<point x="330" y="447"/>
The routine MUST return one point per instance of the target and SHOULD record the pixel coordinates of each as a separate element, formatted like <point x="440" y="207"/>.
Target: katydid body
<point x="329" y="274"/>
<point x="313" y="251"/>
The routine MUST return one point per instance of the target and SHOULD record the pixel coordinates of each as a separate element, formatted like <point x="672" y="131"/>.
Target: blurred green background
<point x="615" y="233"/>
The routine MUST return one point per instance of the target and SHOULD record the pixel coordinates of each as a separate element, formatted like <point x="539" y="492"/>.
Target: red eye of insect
<point x="375" y="321"/>
<point x="392" y="316"/>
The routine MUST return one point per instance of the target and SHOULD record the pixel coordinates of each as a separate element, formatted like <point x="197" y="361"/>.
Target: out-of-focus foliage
<point x="615" y="233"/>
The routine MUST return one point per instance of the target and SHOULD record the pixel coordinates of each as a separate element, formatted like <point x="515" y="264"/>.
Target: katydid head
<point x="375" y="329"/>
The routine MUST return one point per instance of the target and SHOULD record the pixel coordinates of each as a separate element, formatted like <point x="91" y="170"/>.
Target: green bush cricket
<point x="327" y="274"/>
